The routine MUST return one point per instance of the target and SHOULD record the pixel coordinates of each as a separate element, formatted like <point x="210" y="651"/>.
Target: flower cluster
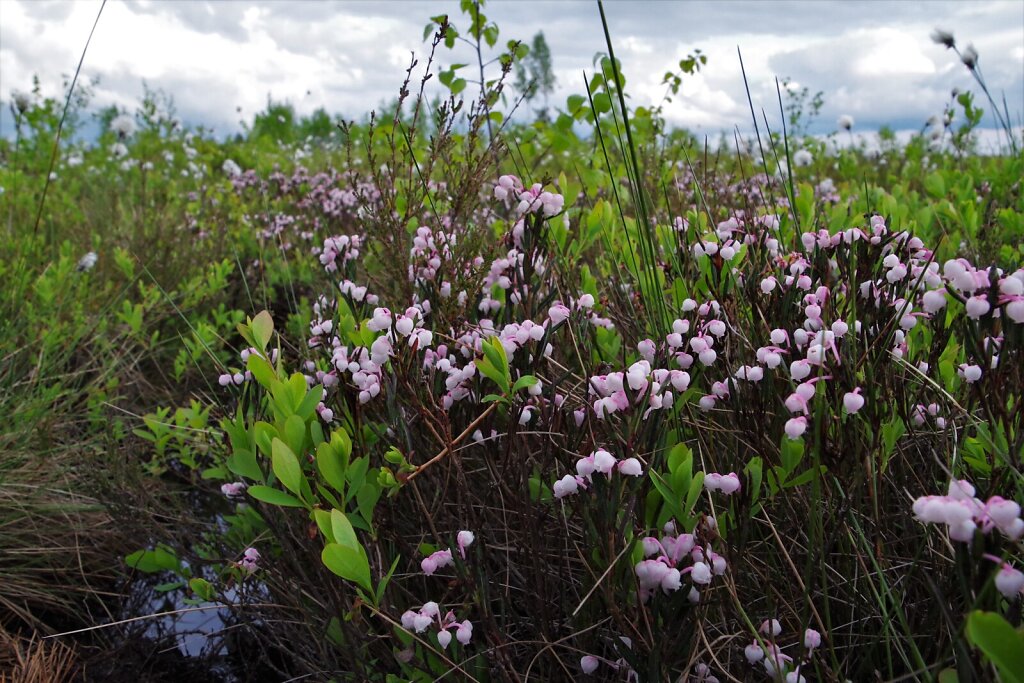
<point x="619" y="391"/>
<point x="239" y="377"/>
<point x="963" y="514"/>
<point x="357" y="293"/>
<point x="233" y="489"/>
<point x="442" y="558"/>
<point x="600" y="461"/>
<point x="921" y="413"/>
<point x="430" y="249"/>
<point x="339" y="251"/>
<point x="980" y="287"/>
<point x="363" y="367"/>
<point x="430" y="615"/>
<point x="769" y="654"/>
<point x="532" y="200"/>
<point x="300" y="203"/>
<point x="726" y="483"/>
<point x="668" y="553"/>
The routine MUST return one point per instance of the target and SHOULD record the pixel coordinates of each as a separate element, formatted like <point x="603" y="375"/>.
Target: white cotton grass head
<point x="802" y="158"/>
<point x="969" y="57"/>
<point x="22" y="101"/>
<point x="87" y="262"/>
<point x="231" y="168"/>
<point x="845" y="122"/>
<point x="942" y="37"/>
<point x="123" y="125"/>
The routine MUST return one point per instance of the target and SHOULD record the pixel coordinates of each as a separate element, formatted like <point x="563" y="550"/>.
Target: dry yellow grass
<point x="35" y="660"/>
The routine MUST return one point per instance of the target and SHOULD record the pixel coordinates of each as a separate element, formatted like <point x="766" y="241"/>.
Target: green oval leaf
<point x="524" y="382"/>
<point x="331" y="467"/>
<point x="274" y="496"/>
<point x="243" y="463"/>
<point x="264" y="434"/>
<point x="151" y="561"/>
<point x="202" y="588"/>
<point x="295" y="433"/>
<point x="309" y="402"/>
<point x="1004" y="646"/>
<point x="342" y="529"/>
<point x="323" y="522"/>
<point x="348" y="563"/>
<point x="261" y="370"/>
<point x="286" y="466"/>
<point x="366" y="499"/>
<point x="262" y="329"/>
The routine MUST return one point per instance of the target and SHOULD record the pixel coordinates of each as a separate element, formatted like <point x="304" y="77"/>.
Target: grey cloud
<point x="223" y="18"/>
<point x="51" y="10"/>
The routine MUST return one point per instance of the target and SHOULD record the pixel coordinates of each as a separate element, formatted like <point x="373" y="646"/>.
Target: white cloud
<point x="871" y="60"/>
<point x="890" y="52"/>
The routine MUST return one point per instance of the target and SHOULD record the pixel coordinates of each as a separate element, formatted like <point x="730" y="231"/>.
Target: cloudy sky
<point x="873" y="60"/>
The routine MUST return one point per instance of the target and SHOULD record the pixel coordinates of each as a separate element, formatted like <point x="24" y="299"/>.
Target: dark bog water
<point x="157" y="634"/>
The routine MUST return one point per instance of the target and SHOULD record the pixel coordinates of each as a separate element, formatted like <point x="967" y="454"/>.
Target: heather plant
<point x="579" y="399"/>
<point x="824" y="372"/>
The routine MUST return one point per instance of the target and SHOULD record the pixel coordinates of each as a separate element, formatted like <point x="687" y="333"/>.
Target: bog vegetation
<point x="486" y="387"/>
